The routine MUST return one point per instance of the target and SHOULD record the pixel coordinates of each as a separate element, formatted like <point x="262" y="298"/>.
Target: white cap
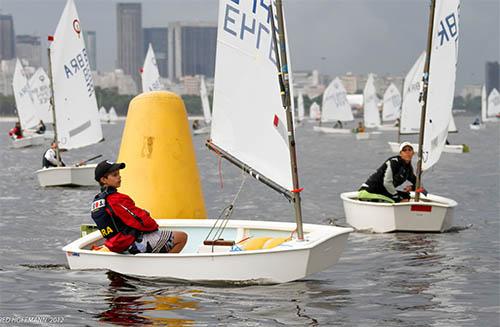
<point x="402" y="145"/>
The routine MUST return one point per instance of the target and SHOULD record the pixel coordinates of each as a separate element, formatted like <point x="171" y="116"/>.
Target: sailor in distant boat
<point x="16" y="132"/>
<point x="50" y="157"/>
<point x="360" y="128"/>
<point x="40" y="128"/>
<point x="338" y="124"/>
<point x="396" y="172"/>
<point x="127" y="228"/>
<point x="196" y="124"/>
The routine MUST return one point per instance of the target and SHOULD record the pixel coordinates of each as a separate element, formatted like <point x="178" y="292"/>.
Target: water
<point x="400" y="279"/>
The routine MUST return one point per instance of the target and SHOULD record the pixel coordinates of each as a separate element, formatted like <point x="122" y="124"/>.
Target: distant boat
<point x="300" y="107"/>
<point x="40" y="87"/>
<point x="77" y="123"/>
<point x="371" y="114"/>
<point x="207" y="115"/>
<point x="493" y="108"/>
<point x="335" y="108"/>
<point x="314" y="111"/>
<point x="113" y="117"/>
<point x="103" y="115"/>
<point x="150" y="75"/>
<point x="391" y="110"/>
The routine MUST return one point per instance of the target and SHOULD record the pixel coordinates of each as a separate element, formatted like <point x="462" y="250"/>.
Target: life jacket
<point x="108" y="223"/>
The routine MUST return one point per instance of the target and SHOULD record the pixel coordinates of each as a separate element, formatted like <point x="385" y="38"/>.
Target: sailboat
<point x="103" y="115"/>
<point x="26" y="109"/>
<point x="335" y="108"/>
<point x="371" y="114"/>
<point x="484" y="106"/>
<point x="113" y="117"/>
<point x="493" y="107"/>
<point x="74" y="105"/>
<point x="206" y="109"/>
<point x="412" y="109"/>
<point x="423" y="213"/>
<point x="314" y="111"/>
<point x="300" y="108"/>
<point x="268" y="155"/>
<point x="40" y="89"/>
<point x="150" y="75"/>
<point x="391" y="110"/>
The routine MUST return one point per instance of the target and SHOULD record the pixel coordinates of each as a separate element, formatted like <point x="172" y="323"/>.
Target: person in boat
<point x="476" y="121"/>
<point x="360" y="128"/>
<point x="196" y="124"/>
<point x="394" y="172"/>
<point x="40" y="128"/>
<point x="126" y="227"/>
<point x="16" y="132"/>
<point x="397" y="122"/>
<point x="50" y="157"/>
<point x="338" y="124"/>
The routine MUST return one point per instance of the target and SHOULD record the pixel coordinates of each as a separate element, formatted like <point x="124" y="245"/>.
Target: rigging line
<point x="229" y="212"/>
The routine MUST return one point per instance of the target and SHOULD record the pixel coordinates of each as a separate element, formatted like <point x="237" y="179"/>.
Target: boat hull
<point x="331" y="130"/>
<point x="30" y="140"/>
<point x="476" y="127"/>
<point x="363" y="136"/>
<point x="388" y="128"/>
<point x="67" y="176"/>
<point x="449" y="148"/>
<point x="287" y="262"/>
<point x="202" y="130"/>
<point x="432" y="214"/>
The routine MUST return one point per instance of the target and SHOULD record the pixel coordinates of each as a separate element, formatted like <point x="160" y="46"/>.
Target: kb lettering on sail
<point x="244" y="19"/>
<point x="80" y="65"/>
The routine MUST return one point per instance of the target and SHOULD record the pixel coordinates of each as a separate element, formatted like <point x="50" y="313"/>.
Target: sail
<point x="112" y="114"/>
<point x="103" y="115"/>
<point x="411" y="108"/>
<point x="484" y="101"/>
<point x="314" y="111"/>
<point x="392" y="103"/>
<point x="493" y="103"/>
<point x="150" y="75"/>
<point x="442" y="73"/>
<point x="248" y="118"/>
<point x="24" y="101"/>
<point x="300" y="105"/>
<point x="40" y="89"/>
<point x="370" y="111"/>
<point x="335" y="104"/>
<point x="204" y="101"/>
<point x="77" y="117"/>
<point x="452" y="127"/>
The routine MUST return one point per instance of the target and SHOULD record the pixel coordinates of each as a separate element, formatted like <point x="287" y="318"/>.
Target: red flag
<point x="50" y="37"/>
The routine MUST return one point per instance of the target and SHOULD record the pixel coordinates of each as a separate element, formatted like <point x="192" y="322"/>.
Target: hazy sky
<point x="333" y="36"/>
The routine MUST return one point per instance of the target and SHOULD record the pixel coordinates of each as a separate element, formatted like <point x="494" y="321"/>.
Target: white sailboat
<point x="206" y="109"/>
<point x="113" y="117"/>
<point x="26" y="109"/>
<point x="267" y="156"/>
<point x="429" y="213"/>
<point x="335" y="108"/>
<point x="493" y="109"/>
<point x="371" y="114"/>
<point x="103" y="115"/>
<point x="300" y="108"/>
<point x="74" y="104"/>
<point x="391" y="108"/>
<point x="484" y="106"/>
<point x="150" y="75"/>
<point x="314" y="111"/>
<point x="40" y="89"/>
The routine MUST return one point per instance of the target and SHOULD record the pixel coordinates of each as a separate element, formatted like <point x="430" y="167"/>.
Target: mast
<point x="285" y="98"/>
<point x="423" y="99"/>
<point x="52" y="105"/>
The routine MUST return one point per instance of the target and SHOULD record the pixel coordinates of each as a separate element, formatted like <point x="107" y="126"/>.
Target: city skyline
<point x="335" y="37"/>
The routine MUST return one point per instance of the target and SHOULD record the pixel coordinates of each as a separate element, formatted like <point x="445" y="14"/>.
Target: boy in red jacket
<point x="127" y="228"/>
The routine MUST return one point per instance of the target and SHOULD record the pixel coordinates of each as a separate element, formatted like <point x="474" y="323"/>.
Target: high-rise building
<point x="7" y="38"/>
<point x="492" y="76"/>
<point x="91" y="46"/>
<point x="28" y="47"/>
<point x="191" y="49"/>
<point x="129" y="34"/>
<point x="158" y="37"/>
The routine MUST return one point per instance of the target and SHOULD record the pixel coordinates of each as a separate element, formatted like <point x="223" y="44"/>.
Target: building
<point x="191" y="49"/>
<point x="7" y="38"/>
<point x="129" y="39"/>
<point x="91" y="46"/>
<point x="350" y="82"/>
<point x="471" y="90"/>
<point x="158" y="37"/>
<point x="28" y="47"/>
<point x="7" y="68"/>
<point x="123" y="83"/>
<point x="492" y="76"/>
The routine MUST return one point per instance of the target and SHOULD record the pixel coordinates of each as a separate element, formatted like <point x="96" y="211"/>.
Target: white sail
<point x="77" y="117"/>
<point x="452" y="127"/>
<point x="112" y="114"/>
<point x="314" y="111"/>
<point x="300" y="105"/>
<point x="493" y="103"/>
<point x="150" y="75"/>
<point x="411" y="108"/>
<point x="335" y="104"/>
<point x="442" y="74"/>
<point x="392" y="103"/>
<point x="40" y="89"/>
<point x="248" y="117"/>
<point x="24" y="101"/>
<point x="484" y="104"/>
<point x="204" y="101"/>
<point x="370" y="112"/>
<point x="103" y="115"/>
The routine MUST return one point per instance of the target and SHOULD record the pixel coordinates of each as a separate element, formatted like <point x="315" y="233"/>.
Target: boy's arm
<point x="124" y="207"/>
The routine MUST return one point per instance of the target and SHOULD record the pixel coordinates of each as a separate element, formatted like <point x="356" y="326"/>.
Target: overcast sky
<point x="333" y="36"/>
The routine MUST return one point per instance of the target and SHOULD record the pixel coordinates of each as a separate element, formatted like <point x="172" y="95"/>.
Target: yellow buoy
<point x="161" y="173"/>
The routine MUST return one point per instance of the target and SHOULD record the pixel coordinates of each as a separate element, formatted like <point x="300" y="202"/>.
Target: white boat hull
<point x="363" y="136"/>
<point x="432" y="214"/>
<point x="289" y="261"/>
<point x="29" y="140"/>
<point x="449" y="148"/>
<point x="476" y="127"/>
<point x="202" y="130"/>
<point x="67" y="176"/>
<point x="331" y="130"/>
<point x="388" y="128"/>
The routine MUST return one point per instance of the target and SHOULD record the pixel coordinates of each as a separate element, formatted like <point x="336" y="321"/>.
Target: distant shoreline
<point x="12" y="119"/>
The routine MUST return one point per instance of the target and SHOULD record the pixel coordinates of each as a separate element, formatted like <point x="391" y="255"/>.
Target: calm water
<point x="400" y="279"/>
